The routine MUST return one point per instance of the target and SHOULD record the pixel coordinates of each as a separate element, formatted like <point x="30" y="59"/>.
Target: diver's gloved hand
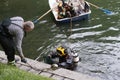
<point x="23" y="60"/>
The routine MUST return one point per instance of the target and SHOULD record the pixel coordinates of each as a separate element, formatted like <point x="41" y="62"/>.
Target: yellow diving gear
<point x="61" y="51"/>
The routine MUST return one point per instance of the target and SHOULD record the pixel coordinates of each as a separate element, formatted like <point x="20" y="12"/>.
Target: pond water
<point x="97" y="40"/>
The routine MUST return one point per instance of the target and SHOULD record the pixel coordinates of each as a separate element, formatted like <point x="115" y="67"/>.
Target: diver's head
<point x="61" y="51"/>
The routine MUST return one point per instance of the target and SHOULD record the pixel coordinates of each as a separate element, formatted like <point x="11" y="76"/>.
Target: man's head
<point x="28" y="26"/>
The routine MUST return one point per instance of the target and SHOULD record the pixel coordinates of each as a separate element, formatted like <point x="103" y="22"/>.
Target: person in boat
<point x="70" y="10"/>
<point x="63" y="57"/>
<point x="87" y="7"/>
<point x="64" y="10"/>
<point x="61" y="10"/>
<point x="84" y="6"/>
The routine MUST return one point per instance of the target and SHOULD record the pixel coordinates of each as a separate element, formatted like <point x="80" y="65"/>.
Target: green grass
<point x="13" y="73"/>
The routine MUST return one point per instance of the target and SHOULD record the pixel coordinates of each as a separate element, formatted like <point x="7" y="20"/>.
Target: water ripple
<point x="117" y="38"/>
<point x="96" y="26"/>
<point x="82" y="35"/>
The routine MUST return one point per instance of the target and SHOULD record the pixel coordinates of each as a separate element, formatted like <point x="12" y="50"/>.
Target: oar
<point x="35" y="21"/>
<point x="106" y="11"/>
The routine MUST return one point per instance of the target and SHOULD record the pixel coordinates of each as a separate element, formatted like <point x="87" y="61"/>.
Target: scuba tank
<point x="75" y="57"/>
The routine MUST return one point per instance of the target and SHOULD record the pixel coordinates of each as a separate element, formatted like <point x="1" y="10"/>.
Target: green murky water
<point x="97" y="40"/>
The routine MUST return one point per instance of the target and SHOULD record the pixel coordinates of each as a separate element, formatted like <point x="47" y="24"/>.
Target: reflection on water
<point x="97" y="41"/>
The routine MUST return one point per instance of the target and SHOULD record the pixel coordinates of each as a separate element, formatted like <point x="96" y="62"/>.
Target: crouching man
<point x="12" y="31"/>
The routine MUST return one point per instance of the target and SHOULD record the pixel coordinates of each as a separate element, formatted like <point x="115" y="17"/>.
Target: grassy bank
<point x="13" y="73"/>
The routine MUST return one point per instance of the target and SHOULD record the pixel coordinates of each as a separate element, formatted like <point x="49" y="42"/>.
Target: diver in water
<point x="63" y="58"/>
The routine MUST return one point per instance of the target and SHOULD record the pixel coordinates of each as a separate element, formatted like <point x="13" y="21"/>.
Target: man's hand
<point x="23" y="60"/>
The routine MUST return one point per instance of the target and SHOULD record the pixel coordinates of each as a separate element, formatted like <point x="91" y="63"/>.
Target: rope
<point x="70" y="24"/>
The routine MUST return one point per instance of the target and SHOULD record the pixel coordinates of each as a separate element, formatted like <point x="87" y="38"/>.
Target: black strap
<point x="17" y="25"/>
<point x="5" y="28"/>
<point x="25" y="33"/>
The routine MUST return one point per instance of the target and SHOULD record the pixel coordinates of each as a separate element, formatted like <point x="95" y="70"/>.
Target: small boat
<point x="82" y="15"/>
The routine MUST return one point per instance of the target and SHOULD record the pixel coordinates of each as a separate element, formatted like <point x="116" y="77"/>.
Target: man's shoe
<point x="12" y="63"/>
<point x="24" y="60"/>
